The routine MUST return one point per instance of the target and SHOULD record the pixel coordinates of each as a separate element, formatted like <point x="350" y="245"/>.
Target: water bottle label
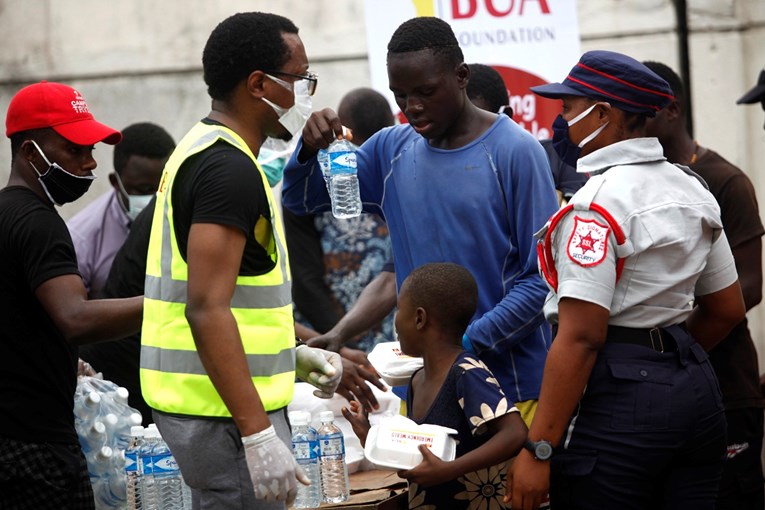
<point x="131" y="462"/>
<point x="305" y="450"/>
<point x="147" y="466"/>
<point x="164" y="463"/>
<point x="343" y="163"/>
<point x="332" y="446"/>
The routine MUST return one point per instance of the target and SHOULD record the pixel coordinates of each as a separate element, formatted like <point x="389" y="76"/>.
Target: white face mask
<point x="294" y="118"/>
<point x="135" y="203"/>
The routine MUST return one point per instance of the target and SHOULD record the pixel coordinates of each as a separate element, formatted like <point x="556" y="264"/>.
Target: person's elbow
<point x="726" y="306"/>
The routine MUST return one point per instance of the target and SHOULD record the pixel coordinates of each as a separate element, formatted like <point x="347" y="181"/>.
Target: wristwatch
<point x="541" y="449"/>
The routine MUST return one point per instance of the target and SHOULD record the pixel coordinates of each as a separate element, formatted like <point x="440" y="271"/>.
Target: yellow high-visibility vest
<point x="173" y="379"/>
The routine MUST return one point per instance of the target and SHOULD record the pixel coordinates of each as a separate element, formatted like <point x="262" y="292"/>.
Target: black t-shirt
<point x="735" y="358"/>
<point x="38" y="367"/>
<point x="119" y="361"/>
<point x="220" y="185"/>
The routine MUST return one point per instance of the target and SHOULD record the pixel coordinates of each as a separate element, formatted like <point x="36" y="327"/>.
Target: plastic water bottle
<point x="323" y="158"/>
<point x="93" y="438"/>
<point x="334" y="471"/>
<point x="100" y="461"/>
<point x="343" y="181"/>
<point x="133" y="468"/>
<point x="87" y="409"/>
<point x="305" y="448"/>
<point x="148" y="487"/>
<point x="167" y="477"/>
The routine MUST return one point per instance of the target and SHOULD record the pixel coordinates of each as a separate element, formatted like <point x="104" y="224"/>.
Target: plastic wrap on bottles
<point x="103" y="421"/>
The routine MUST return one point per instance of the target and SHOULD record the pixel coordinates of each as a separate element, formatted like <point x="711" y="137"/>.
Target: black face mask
<point x="61" y="186"/>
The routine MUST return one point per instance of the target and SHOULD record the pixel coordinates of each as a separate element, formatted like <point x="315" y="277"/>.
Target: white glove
<point x="273" y="469"/>
<point x="319" y="368"/>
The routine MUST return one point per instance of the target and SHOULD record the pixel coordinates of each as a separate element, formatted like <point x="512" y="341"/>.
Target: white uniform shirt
<point x="675" y="243"/>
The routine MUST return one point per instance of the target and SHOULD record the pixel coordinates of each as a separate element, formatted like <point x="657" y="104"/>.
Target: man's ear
<point x="113" y="181"/>
<point x="463" y="75"/>
<point x="673" y="111"/>
<point x="255" y="83"/>
<point x="420" y="318"/>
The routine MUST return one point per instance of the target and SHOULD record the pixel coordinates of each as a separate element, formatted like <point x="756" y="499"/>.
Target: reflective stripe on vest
<point x="173" y="378"/>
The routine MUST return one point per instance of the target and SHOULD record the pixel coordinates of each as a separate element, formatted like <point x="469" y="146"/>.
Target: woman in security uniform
<point x="642" y="283"/>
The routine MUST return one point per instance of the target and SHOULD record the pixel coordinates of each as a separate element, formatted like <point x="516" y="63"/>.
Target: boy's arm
<point x="508" y="433"/>
<point x="527" y="183"/>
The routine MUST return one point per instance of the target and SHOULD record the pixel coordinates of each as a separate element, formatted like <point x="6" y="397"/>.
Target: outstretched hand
<point x="320" y="368"/>
<point x="431" y="471"/>
<point x="353" y="385"/>
<point x="358" y="417"/>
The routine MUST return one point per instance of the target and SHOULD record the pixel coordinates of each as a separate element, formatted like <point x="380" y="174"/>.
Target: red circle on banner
<point x="533" y="113"/>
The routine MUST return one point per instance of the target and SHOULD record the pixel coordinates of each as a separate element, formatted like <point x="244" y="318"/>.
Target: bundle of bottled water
<point x="154" y="481"/>
<point x="321" y="454"/>
<point x="103" y="421"/>
<point x="130" y="467"/>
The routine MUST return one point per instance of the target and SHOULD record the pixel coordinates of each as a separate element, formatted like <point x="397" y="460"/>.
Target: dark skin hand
<point x="353" y="384"/>
<point x="358" y="417"/>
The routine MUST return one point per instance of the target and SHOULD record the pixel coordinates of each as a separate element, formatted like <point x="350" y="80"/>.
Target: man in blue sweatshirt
<point x="455" y="184"/>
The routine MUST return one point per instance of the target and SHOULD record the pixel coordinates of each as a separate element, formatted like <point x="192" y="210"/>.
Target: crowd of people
<point x="579" y="304"/>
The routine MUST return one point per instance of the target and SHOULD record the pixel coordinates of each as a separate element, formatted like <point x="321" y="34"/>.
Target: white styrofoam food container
<point x="394" y="442"/>
<point x="394" y="366"/>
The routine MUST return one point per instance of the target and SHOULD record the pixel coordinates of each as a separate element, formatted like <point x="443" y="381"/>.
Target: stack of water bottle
<point x="103" y="420"/>
<point x="338" y="165"/>
<point x="110" y="432"/>
<point x="154" y="481"/>
<point x="321" y="454"/>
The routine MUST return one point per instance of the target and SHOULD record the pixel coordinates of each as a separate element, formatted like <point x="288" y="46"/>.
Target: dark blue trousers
<point x="649" y="433"/>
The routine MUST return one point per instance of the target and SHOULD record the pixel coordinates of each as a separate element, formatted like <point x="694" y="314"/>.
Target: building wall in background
<point x="141" y="61"/>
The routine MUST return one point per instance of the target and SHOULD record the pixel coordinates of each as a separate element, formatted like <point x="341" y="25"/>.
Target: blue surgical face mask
<point x="135" y="203"/>
<point x="567" y="150"/>
<point x="61" y="186"/>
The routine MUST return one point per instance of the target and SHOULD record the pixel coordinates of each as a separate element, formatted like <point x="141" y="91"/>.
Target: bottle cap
<point x="105" y="453"/>
<point x="121" y="394"/>
<point x="93" y="399"/>
<point x="298" y="418"/>
<point x="326" y="416"/>
<point x="97" y="428"/>
<point x="151" y="433"/>
<point x="136" y="431"/>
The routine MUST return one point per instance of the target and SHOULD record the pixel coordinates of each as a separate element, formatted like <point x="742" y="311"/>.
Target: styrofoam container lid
<point x="394" y="443"/>
<point x="394" y="366"/>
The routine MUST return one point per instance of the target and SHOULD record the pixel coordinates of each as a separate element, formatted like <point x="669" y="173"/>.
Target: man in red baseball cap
<point x="43" y="303"/>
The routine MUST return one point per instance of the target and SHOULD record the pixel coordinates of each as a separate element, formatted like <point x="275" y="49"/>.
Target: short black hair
<point x="447" y="292"/>
<point x="366" y="112"/>
<point x="241" y="44"/>
<point x="427" y="33"/>
<point x="30" y="134"/>
<point x="142" y="139"/>
<point x="667" y="74"/>
<point x="486" y="82"/>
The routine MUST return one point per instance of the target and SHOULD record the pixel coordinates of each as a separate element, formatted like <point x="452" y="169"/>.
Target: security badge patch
<point x="588" y="243"/>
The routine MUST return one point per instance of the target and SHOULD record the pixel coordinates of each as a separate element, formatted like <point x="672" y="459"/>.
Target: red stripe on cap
<point x="623" y="82"/>
<point x="610" y="94"/>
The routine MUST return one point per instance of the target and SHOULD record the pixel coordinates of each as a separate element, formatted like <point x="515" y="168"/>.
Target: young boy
<point x="453" y="389"/>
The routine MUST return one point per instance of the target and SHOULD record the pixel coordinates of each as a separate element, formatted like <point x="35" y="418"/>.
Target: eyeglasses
<point x="312" y="80"/>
